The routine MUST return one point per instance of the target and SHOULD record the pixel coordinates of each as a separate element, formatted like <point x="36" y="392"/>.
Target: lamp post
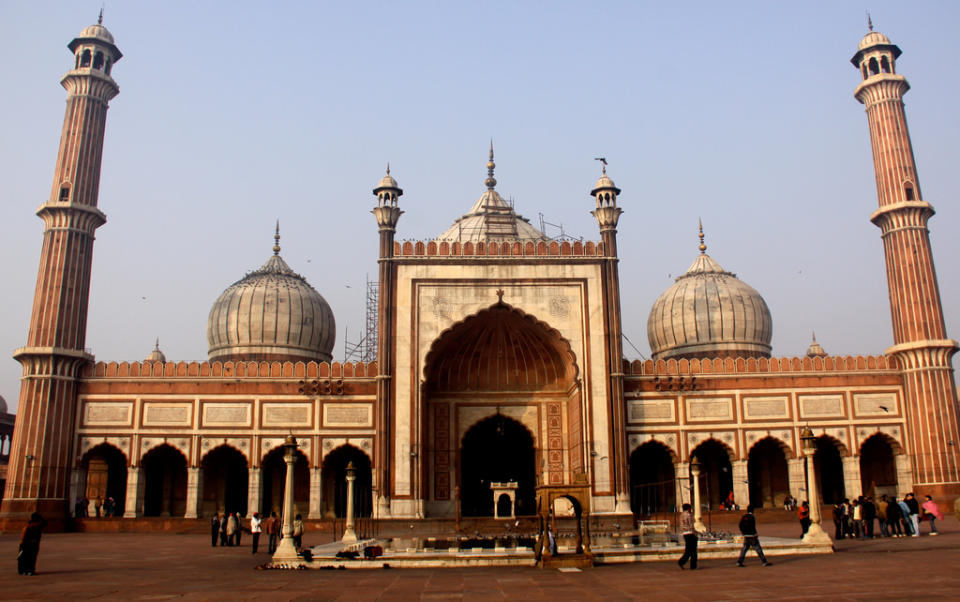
<point x="286" y="551"/>
<point x="697" y="517"/>
<point x="349" y="534"/>
<point x="815" y="534"/>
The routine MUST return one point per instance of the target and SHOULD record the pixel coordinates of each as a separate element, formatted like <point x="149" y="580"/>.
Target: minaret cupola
<point x="876" y="55"/>
<point x="388" y="210"/>
<point x="606" y="193"/>
<point x="94" y="49"/>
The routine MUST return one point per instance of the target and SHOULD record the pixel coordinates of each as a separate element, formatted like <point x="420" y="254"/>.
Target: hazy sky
<point x="234" y="114"/>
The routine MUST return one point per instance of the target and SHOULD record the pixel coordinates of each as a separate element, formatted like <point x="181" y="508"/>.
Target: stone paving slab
<point x="157" y="566"/>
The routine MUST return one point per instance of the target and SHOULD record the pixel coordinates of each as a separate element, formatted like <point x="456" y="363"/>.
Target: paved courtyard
<point x="164" y="566"/>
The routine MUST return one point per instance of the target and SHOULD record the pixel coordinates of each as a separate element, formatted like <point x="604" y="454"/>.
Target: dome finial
<point x="602" y="160"/>
<point x="100" y="17"/>
<point x="388" y="168"/>
<point x="869" y="21"/>
<point x="702" y="247"/>
<point x="276" y="240"/>
<point x="490" y="181"/>
<point x="156" y="345"/>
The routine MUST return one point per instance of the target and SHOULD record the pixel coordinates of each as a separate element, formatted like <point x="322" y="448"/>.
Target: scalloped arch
<point x="500" y="348"/>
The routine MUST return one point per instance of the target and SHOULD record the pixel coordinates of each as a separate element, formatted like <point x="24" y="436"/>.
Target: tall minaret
<point x="608" y="213"/>
<point x="39" y="473"/>
<point x="388" y="213"/>
<point x="920" y="340"/>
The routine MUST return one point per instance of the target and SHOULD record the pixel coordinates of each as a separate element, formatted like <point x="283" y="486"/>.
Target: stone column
<point x="194" y="487"/>
<point x="286" y="551"/>
<point x="697" y="516"/>
<point x="78" y="477"/>
<point x="254" y="492"/>
<point x="134" y="504"/>
<point x="815" y="534"/>
<point x="904" y="475"/>
<point x="741" y="486"/>
<point x="349" y="534"/>
<point x="797" y="477"/>
<point x="681" y="472"/>
<point x="851" y="477"/>
<point x="316" y="493"/>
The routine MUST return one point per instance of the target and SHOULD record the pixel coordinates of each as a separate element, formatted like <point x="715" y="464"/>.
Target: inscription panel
<point x="821" y="406"/>
<point x="652" y="410"/>
<point x="875" y="404"/>
<point x="218" y="413"/>
<point x="103" y="413"/>
<point x="342" y="414"/>
<point x="707" y="409"/>
<point x="167" y="414"/>
<point x="766" y="408"/>
<point x="287" y="414"/>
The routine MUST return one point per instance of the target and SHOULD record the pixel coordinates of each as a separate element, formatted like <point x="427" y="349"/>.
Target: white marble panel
<point x="821" y="406"/>
<point x="108" y="413"/>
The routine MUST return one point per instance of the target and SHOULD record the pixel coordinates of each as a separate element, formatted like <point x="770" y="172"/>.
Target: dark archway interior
<point x="653" y="486"/>
<point x="274" y="477"/>
<point x="335" y="483"/>
<point x="829" y="467"/>
<point x="878" y="471"/>
<point x="106" y="476"/>
<point x="165" y="486"/>
<point x="498" y="449"/>
<point x="768" y="475"/>
<point x="225" y="478"/>
<point x="716" y="473"/>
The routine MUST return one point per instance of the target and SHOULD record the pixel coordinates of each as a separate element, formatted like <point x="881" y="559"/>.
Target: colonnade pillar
<point x="255" y="491"/>
<point x="316" y="493"/>
<point x="194" y="487"/>
<point x="797" y="477"/>
<point x="135" y="484"/>
<point x="741" y="486"/>
<point x="681" y="472"/>
<point x="851" y="477"/>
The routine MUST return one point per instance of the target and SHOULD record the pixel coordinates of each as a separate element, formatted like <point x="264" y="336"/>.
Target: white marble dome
<point x="271" y="314"/>
<point x="98" y="32"/>
<point x="708" y="313"/>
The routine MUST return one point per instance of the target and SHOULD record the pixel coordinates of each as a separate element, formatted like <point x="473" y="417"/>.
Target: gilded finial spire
<point x="490" y="181"/>
<point x="703" y="247"/>
<point x="869" y="21"/>
<point x="156" y="346"/>
<point x="813" y="333"/>
<point x="100" y="17"/>
<point x="276" y="240"/>
<point x="388" y="168"/>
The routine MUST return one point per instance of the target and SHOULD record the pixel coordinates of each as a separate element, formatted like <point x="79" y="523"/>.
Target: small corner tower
<point x="921" y="346"/>
<point x="387" y="212"/>
<point x="39" y="471"/>
<point x="605" y="192"/>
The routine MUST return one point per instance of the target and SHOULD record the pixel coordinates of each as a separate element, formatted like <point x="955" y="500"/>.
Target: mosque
<point x="499" y="371"/>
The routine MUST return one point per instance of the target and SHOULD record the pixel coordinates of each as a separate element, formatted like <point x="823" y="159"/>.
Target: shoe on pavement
<point x="932" y="534"/>
<point x="767" y="564"/>
<point x="740" y="564"/>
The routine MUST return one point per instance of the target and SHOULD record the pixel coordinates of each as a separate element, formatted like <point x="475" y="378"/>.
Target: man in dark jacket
<point x="30" y="545"/>
<point x="869" y="515"/>
<point x="748" y="527"/>
<point x="914" y="516"/>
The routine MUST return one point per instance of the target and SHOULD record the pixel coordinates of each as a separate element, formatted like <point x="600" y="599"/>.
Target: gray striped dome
<point x="271" y="314"/>
<point x="709" y="313"/>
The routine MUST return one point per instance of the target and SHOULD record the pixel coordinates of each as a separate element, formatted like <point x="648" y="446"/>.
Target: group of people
<point x="748" y="528"/>
<point x="897" y="518"/>
<point x="228" y="528"/>
<point x="101" y="507"/>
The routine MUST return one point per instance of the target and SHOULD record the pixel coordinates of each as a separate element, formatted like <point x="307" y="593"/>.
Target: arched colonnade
<point x="164" y="484"/>
<point x="771" y="470"/>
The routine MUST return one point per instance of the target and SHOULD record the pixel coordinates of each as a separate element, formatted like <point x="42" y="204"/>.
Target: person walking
<point x="30" y="545"/>
<point x="751" y="539"/>
<point x="803" y="513"/>
<point x="894" y="514"/>
<point x="223" y="529"/>
<point x="933" y="511"/>
<point x="838" y="521"/>
<point x="214" y="529"/>
<point x="232" y="527"/>
<point x="914" y="515"/>
<point x="298" y="530"/>
<point x="689" y="538"/>
<point x="255" y="529"/>
<point x="273" y="530"/>
<point x="869" y="514"/>
<point x="882" y="516"/>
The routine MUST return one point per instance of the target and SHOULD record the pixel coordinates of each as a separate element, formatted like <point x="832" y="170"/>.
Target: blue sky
<point x="233" y="115"/>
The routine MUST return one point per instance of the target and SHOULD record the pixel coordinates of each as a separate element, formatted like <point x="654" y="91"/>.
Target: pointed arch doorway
<point x="501" y="400"/>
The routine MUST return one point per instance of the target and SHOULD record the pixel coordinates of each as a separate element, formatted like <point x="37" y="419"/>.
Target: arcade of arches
<point x="502" y="404"/>
<point x="771" y="471"/>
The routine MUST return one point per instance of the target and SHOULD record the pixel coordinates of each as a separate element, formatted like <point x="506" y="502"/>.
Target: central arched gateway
<point x="501" y="401"/>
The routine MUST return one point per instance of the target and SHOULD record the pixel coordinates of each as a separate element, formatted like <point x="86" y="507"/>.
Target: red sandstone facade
<point x="521" y="337"/>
